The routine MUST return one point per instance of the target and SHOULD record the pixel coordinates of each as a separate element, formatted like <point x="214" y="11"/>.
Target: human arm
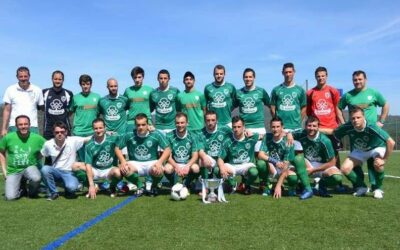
<point x="384" y="114"/>
<point x="164" y="157"/>
<point x="223" y="170"/>
<point x="389" y="149"/>
<point x="278" y="186"/>
<point x="205" y="160"/>
<point x="3" y="164"/>
<point x="6" y="118"/>
<point x="92" y="187"/>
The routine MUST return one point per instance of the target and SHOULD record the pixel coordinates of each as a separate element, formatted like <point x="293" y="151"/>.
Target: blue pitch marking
<point x="66" y="237"/>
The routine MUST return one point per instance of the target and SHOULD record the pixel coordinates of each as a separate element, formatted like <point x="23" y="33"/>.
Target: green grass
<point x="246" y="222"/>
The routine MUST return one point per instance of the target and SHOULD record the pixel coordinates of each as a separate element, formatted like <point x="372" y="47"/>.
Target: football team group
<point x="114" y="139"/>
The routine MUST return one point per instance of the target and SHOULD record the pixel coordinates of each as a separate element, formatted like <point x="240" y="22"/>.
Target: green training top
<point x="164" y="103"/>
<point x="114" y="112"/>
<point x="319" y="149"/>
<point x="139" y="102"/>
<point x="367" y="99"/>
<point x="277" y="150"/>
<point x="85" y="111"/>
<point x="288" y="102"/>
<point x="251" y="106"/>
<point x="102" y="155"/>
<point x="183" y="148"/>
<point x="220" y="98"/>
<point x="192" y="104"/>
<point x="21" y="153"/>
<point x="143" y="148"/>
<point x="238" y="152"/>
<point x="369" y="138"/>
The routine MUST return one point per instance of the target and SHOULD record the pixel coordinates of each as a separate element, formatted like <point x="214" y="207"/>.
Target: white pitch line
<point x="389" y="176"/>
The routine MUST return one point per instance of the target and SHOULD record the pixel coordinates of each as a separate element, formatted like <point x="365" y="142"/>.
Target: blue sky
<point x="108" y="38"/>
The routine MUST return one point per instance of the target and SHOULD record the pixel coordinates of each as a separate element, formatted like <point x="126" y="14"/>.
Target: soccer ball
<point x="179" y="192"/>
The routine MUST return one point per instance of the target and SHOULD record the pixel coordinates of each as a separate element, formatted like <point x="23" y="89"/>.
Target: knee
<point x="261" y="165"/>
<point x="253" y="172"/>
<point x="71" y="186"/>
<point x="168" y="169"/>
<point x="46" y="170"/>
<point x="337" y="178"/>
<point x="379" y="169"/>
<point x="195" y="168"/>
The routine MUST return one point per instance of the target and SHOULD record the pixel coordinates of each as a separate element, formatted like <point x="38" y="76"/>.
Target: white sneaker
<point x="360" y="191"/>
<point x="378" y="194"/>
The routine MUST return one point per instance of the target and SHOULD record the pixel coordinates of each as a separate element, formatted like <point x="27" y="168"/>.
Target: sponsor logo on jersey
<point x="311" y="154"/>
<point x="104" y="159"/>
<point x="287" y="103"/>
<point x="21" y="156"/>
<point x="164" y="106"/>
<point x="142" y="153"/>
<point x="249" y="105"/>
<point x="56" y="107"/>
<point x="242" y="157"/>
<point x="182" y="154"/>
<point x="112" y="114"/>
<point x="322" y="107"/>
<point x="218" y="100"/>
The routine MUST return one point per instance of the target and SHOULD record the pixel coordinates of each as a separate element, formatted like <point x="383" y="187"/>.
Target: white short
<point x="239" y="169"/>
<point x="319" y="174"/>
<point x="143" y="167"/>
<point x="279" y="172"/>
<point x="363" y="156"/>
<point x="100" y="173"/>
<point x="260" y="131"/>
<point x="213" y="161"/>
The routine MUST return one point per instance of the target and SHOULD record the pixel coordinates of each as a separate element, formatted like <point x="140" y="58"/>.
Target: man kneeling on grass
<point x="142" y="145"/>
<point x="184" y="152"/>
<point x="320" y="156"/>
<point x="101" y="159"/>
<point x="369" y="144"/>
<point x="282" y="163"/>
<point x="236" y="156"/>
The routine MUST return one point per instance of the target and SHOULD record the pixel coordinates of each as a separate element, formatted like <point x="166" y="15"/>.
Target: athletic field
<point x="246" y="222"/>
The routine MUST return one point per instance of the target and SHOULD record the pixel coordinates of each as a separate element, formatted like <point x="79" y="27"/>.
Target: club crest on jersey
<point x="170" y="96"/>
<point x="119" y="105"/>
<point x="327" y="95"/>
<point x="220" y="137"/>
<point x="197" y="97"/>
<point x="247" y="145"/>
<point x="226" y="91"/>
<point x="294" y="94"/>
<point x="369" y="98"/>
<point x="149" y="144"/>
<point x="255" y="96"/>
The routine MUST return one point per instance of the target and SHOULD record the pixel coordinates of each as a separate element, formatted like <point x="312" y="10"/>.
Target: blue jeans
<point x="51" y="175"/>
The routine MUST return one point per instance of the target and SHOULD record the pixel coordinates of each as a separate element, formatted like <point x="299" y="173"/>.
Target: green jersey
<point x="164" y="103"/>
<point x="21" y="152"/>
<point x="369" y="138"/>
<point x="192" y="104"/>
<point x="113" y="110"/>
<point x="288" y="102"/>
<point x="139" y="102"/>
<point x="319" y="149"/>
<point x="143" y="148"/>
<point x="211" y="142"/>
<point x="101" y="155"/>
<point x="220" y="98"/>
<point x="85" y="111"/>
<point x="238" y="152"/>
<point x="277" y="150"/>
<point x="367" y="99"/>
<point x="251" y="106"/>
<point x="183" y="148"/>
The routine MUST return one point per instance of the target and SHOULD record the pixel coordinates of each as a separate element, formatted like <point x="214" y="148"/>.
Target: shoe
<point x="266" y="192"/>
<point x="70" y="195"/>
<point x="292" y="192"/>
<point x="247" y="190"/>
<point x="306" y="194"/>
<point x="241" y="188"/>
<point x="340" y="189"/>
<point x="53" y="197"/>
<point x="360" y="191"/>
<point x="154" y="191"/>
<point x="139" y="192"/>
<point x="323" y="192"/>
<point x="113" y="192"/>
<point x="262" y="186"/>
<point x="378" y="194"/>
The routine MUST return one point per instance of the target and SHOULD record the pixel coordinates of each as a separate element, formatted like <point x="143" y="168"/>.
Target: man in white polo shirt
<point x="62" y="150"/>
<point x="22" y="98"/>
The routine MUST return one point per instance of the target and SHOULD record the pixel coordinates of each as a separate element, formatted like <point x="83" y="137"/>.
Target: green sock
<point x="292" y="181"/>
<point x="134" y="178"/>
<point x="171" y="178"/>
<point x="251" y="176"/>
<point x="375" y="178"/>
<point x="156" y="180"/>
<point x="216" y="172"/>
<point x="355" y="179"/>
<point x="301" y="171"/>
<point x="204" y="172"/>
<point x="82" y="177"/>
<point x="232" y="181"/>
<point x="359" y="172"/>
<point x="331" y="181"/>
<point x="114" y="182"/>
<point x="262" y="170"/>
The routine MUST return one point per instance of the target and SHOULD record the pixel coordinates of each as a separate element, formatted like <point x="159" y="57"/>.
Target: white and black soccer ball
<point x="179" y="192"/>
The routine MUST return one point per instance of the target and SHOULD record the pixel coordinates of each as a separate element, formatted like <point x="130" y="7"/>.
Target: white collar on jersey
<point x="278" y="141"/>
<point x="212" y="132"/>
<point x="184" y="136"/>
<point x="218" y="85"/>
<point x="166" y="89"/>
<point x="315" y="138"/>
<point x="98" y="143"/>
<point x="361" y="130"/>
<point x="286" y="86"/>
<point x="250" y="89"/>
<point x="240" y="139"/>
<point x="142" y="136"/>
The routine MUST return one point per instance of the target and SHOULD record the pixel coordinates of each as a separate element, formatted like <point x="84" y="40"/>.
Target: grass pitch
<point x="246" y="222"/>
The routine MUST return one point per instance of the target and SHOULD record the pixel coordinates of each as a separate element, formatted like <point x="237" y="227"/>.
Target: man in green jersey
<point x="282" y="163"/>
<point x="84" y="110"/>
<point x="366" y="98"/>
<point x="163" y="101"/>
<point x="370" y="144"/>
<point x="139" y="98"/>
<point x="19" y="157"/>
<point x="288" y="101"/>
<point x="211" y="139"/>
<point x="101" y="159"/>
<point x="220" y="96"/>
<point x="113" y="109"/>
<point x="192" y="103"/>
<point x="236" y="156"/>
<point x="184" y="152"/>
<point x="143" y="150"/>
<point x="319" y="155"/>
